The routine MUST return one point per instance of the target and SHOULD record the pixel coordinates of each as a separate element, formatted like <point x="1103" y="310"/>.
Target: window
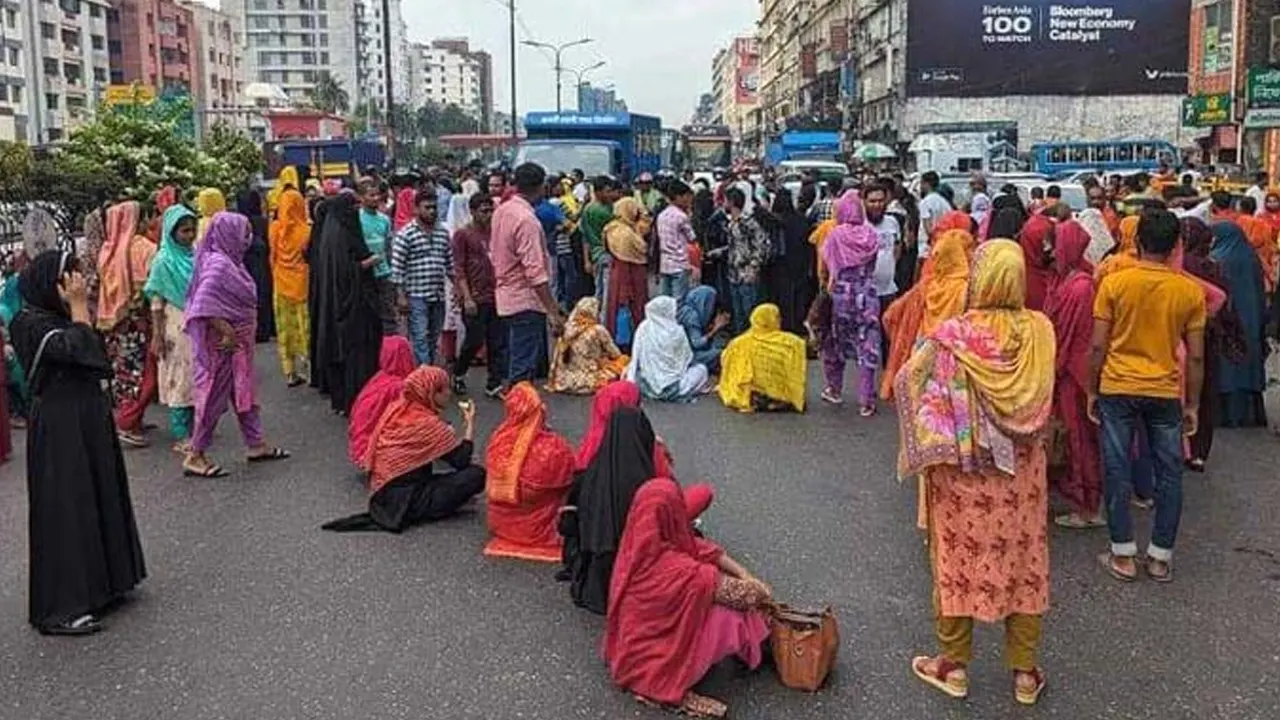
<point x="117" y="77"/>
<point x="324" y="39"/>
<point x="13" y="56"/>
<point x="97" y="41"/>
<point x="323" y="21"/>
<point x="70" y="6"/>
<point x="95" y="11"/>
<point x="55" y="134"/>
<point x="47" y="31"/>
<point x="4" y="92"/>
<point x="1218" y="36"/>
<point x="306" y="21"/>
<point x="50" y="67"/>
<point x="259" y="4"/>
<point x="308" y="58"/>
<point x="260" y="23"/>
<point x="308" y="40"/>
<point x="308" y="76"/>
<point x="113" y="47"/>
<point x="320" y="4"/>
<point x="72" y="73"/>
<point x="99" y="74"/>
<point x="10" y="18"/>
<point x="51" y="101"/>
<point x="324" y="58"/>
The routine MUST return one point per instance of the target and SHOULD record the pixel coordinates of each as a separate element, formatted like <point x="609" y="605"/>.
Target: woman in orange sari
<point x="288" y="238"/>
<point x="1125" y="254"/>
<point x="530" y="471"/>
<point x="973" y="404"/>
<point x="124" y="317"/>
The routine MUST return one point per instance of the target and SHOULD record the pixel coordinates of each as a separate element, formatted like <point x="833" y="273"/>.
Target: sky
<point x="657" y="54"/>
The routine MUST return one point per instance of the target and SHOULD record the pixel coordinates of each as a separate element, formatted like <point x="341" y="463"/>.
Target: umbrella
<point x="874" y="151"/>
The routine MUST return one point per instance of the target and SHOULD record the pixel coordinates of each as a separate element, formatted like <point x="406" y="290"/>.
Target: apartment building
<point x="292" y="43"/>
<point x="371" y="55"/>
<point x="59" y="49"/>
<point x="735" y="80"/>
<point x="14" y="108"/>
<point x="220" y="49"/>
<point x="447" y="71"/>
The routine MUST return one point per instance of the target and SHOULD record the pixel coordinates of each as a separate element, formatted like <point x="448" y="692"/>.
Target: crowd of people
<point x="1024" y="347"/>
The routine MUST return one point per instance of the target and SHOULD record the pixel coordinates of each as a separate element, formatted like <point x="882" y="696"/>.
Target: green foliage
<point x="329" y="96"/>
<point x="227" y="147"/>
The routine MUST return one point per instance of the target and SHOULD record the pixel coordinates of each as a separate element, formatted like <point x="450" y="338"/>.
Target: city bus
<point x="1057" y="159"/>
<point x="707" y="147"/>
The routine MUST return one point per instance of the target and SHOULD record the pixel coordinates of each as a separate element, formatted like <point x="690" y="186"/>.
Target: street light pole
<point x="511" y="8"/>
<point x="580" y="74"/>
<point x="559" y="67"/>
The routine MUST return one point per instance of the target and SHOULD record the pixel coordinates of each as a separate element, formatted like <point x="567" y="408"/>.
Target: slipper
<point x="1165" y="577"/>
<point x="1195" y="466"/>
<point x="958" y="689"/>
<point x="83" y="625"/>
<point x="1029" y="696"/>
<point x="1109" y="563"/>
<point x="274" y="453"/>
<point x="295" y="382"/>
<point x="1071" y="521"/>
<point x="132" y="440"/>
<point x="212" y="471"/>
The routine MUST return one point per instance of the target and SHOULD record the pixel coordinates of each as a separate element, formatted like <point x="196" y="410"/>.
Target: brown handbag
<point x="805" y="644"/>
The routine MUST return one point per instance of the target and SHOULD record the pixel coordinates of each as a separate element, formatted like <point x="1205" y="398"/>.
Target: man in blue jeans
<point x="1141" y="314"/>
<point x="747" y="253"/>
<point x="421" y="259"/>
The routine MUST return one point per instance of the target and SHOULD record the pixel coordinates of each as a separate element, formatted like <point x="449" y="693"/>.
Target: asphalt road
<point x="251" y="611"/>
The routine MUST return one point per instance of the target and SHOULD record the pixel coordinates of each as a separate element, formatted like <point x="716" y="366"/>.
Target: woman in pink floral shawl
<point x="221" y="319"/>
<point x="973" y="403"/>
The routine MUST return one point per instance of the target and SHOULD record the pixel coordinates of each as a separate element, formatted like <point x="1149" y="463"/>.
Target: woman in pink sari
<point x="221" y="320"/>
<point x="395" y="362"/>
<point x="124" y="317"/>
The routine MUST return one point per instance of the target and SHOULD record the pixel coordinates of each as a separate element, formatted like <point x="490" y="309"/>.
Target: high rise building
<point x="59" y="50"/>
<point x="447" y="71"/>
<point x="220" y="52"/>
<point x="371" y="52"/>
<point x="599" y="100"/>
<point x="293" y="43"/>
<point x="152" y="42"/>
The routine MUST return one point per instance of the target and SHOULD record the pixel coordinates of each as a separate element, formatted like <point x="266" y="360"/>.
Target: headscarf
<point x="697" y="308"/>
<point x="980" y="208"/>
<point x="404" y="208"/>
<point x="290" y="235"/>
<point x="607" y="400"/>
<point x="660" y="351"/>
<point x="1006" y="218"/>
<point x="764" y="359"/>
<point x="946" y="289"/>
<point x="624" y="462"/>
<point x="221" y="286"/>
<point x="38" y="284"/>
<point x="1100" y="240"/>
<point x="288" y="177"/>
<point x="1037" y="272"/>
<point x="410" y="433"/>
<point x="984" y="379"/>
<point x="39" y="233"/>
<point x="525" y="416"/>
<point x="209" y="202"/>
<point x="1070" y="303"/>
<point x="660" y="597"/>
<point x="1262" y="237"/>
<point x="173" y="265"/>
<point x="852" y="243"/>
<point x="622" y="234"/>
<point x="1126" y="251"/>
<point x="123" y="263"/>
<point x="395" y="362"/>
<point x="952" y="220"/>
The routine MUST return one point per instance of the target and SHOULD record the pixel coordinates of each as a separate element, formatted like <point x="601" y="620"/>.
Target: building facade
<point x="447" y="71"/>
<point x="735" y="82"/>
<point x="599" y="100"/>
<point x="220" y="48"/>
<point x="59" y="51"/>
<point x="371" y="54"/>
<point x="804" y="46"/>
<point x="293" y="43"/>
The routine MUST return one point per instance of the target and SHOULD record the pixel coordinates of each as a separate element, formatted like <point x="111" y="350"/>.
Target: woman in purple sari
<point x="849" y="256"/>
<point x="221" y="319"/>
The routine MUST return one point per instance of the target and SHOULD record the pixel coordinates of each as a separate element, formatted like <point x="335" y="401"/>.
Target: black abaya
<point x="348" y="324"/>
<point x="319" y="380"/>
<point x="790" y="282"/>
<point x="258" y="262"/>
<point x="602" y="495"/>
<point x="84" y="547"/>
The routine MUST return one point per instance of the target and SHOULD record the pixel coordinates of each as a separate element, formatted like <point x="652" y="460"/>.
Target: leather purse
<point x="805" y="644"/>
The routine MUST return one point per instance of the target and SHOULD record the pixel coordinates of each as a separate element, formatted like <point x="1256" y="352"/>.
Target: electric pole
<point x="515" y="131"/>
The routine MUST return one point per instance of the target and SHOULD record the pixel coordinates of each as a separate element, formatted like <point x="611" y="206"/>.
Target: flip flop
<point x="212" y="471"/>
<point x="132" y="440"/>
<point x="274" y="453"/>
<point x="1108" y="562"/>
<point x="1074" y="522"/>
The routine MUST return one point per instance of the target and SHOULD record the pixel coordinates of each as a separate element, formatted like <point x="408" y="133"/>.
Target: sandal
<point x="947" y="676"/>
<point x="1072" y="521"/>
<point x="1028" y="695"/>
<point x="1195" y="465"/>
<point x="270" y="454"/>
<point x="133" y="440"/>
<point x="1161" y="577"/>
<point x="1109" y="563"/>
<point x="867" y="411"/>
<point x="182" y="447"/>
<point x="212" y="470"/>
<point x="294" y="382"/>
<point x="692" y="705"/>
<point x="1143" y="503"/>
<point x="83" y="625"/>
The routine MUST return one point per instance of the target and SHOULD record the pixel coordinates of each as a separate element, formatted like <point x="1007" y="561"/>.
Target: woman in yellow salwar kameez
<point x="288" y="238"/>
<point x="973" y="405"/>
<point x="764" y="368"/>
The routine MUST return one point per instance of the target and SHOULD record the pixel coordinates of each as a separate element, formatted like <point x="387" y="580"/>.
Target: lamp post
<point x="558" y="50"/>
<point x="580" y="74"/>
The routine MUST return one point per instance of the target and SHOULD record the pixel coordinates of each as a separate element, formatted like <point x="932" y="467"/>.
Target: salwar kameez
<point x="133" y="367"/>
<point x="224" y="379"/>
<point x="854" y="333"/>
<point x="293" y="333"/>
<point x="176" y="370"/>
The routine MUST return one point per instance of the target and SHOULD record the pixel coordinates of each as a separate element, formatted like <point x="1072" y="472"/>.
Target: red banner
<point x="809" y="62"/>
<point x="839" y="40"/>
<point x="746" y="70"/>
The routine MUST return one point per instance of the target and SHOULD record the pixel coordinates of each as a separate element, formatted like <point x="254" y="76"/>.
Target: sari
<point x="222" y="289"/>
<point x="167" y="286"/>
<point x="585" y="357"/>
<point x="1125" y="254"/>
<point x="973" y="403"/>
<point x="1262" y="237"/>
<point x="661" y="357"/>
<point x="1033" y="238"/>
<point x="663" y="629"/>
<point x="1240" y="384"/>
<point x="288" y="239"/>
<point x="1070" y="309"/>
<point x="530" y="472"/>
<point x="395" y="362"/>
<point x="123" y="266"/>
<point x="209" y="202"/>
<point x="628" y="284"/>
<point x="764" y="363"/>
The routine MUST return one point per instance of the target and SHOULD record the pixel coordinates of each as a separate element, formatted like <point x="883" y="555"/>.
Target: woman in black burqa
<point x="319" y="209"/>
<point x="348" y="329"/>
<point x="258" y="262"/>
<point x="85" y="553"/>
<point x="602" y="495"/>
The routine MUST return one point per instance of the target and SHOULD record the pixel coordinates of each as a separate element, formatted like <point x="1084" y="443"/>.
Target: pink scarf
<point x="852" y="243"/>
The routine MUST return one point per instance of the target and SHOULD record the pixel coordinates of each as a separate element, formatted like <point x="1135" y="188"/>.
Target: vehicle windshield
<point x="592" y="159"/>
<point x="708" y="153"/>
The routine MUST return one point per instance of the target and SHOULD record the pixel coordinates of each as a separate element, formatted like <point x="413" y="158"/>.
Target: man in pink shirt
<point x="522" y="290"/>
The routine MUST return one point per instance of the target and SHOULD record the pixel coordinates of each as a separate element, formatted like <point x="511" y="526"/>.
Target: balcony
<point x="73" y="52"/>
<point x="55" y="119"/>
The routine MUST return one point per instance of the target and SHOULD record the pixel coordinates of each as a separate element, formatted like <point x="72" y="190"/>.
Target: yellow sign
<point x="134" y="94"/>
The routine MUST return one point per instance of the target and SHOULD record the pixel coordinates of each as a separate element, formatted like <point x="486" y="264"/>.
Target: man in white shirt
<point x="932" y="207"/>
<point x="875" y="201"/>
<point x="1258" y="191"/>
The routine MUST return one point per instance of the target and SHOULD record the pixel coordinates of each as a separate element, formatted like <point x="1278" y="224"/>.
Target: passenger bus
<point x="1056" y="159"/>
<point x="707" y="147"/>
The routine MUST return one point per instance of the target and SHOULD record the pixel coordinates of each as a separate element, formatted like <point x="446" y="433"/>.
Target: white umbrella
<point x="875" y="151"/>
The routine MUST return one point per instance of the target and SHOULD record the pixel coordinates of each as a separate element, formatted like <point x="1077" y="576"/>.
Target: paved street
<point x="251" y="611"/>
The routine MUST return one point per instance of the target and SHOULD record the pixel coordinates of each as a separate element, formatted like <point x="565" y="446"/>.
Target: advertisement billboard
<point x="746" y="75"/>
<point x="972" y="48"/>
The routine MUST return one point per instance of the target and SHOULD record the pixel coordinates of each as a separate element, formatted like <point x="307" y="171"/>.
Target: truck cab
<point x="618" y="143"/>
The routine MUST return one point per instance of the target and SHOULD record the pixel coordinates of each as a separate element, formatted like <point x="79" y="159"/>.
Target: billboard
<point x="746" y="74"/>
<point x="972" y="48"/>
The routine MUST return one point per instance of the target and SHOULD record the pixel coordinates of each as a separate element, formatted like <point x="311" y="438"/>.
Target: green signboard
<point x="1206" y="110"/>
<point x="1264" y="88"/>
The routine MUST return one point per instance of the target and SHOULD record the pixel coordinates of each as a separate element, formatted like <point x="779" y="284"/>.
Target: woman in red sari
<point x="677" y="606"/>
<point x="1033" y="238"/>
<point x="394" y="365"/>
<point x="1070" y="308"/>
<point x="530" y="471"/>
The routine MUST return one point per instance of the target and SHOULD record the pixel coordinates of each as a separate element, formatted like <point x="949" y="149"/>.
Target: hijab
<point x="1070" y="303"/>
<point x="395" y="362"/>
<point x="763" y="359"/>
<point x="1006" y="218"/>
<point x="980" y="208"/>
<point x="623" y="463"/>
<point x="983" y="378"/>
<point x="410" y="434"/>
<point x="622" y="234"/>
<point x="123" y="264"/>
<point x="174" y="263"/>
<point x="697" y="309"/>
<point x="1038" y="275"/>
<point x="948" y="284"/>
<point x="38" y="284"/>
<point x="404" y="213"/>
<point x="39" y="233"/>
<point x="660" y="351"/>
<point x="525" y="415"/>
<point x="1262" y="237"/>
<point x="617" y="394"/>
<point x="221" y="286"/>
<point x="209" y="202"/>
<point x="852" y="243"/>
<point x="290" y="235"/>
<point x="1125" y="254"/>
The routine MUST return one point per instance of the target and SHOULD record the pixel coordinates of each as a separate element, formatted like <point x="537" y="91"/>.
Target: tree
<point x="329" y="96"/>
<point x="235" y="151"/>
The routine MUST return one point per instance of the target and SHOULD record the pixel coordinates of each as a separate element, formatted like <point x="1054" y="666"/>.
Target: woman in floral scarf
<point x="973" y="403"/>
<point x="124" y="318"/>
<point x="585" y="358"/>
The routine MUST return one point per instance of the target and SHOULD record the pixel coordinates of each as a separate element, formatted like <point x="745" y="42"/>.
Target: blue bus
<point x="1056" y="159"/>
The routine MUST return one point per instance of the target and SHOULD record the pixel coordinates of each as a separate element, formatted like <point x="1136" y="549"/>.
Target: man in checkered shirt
<point x="421" y="260"/>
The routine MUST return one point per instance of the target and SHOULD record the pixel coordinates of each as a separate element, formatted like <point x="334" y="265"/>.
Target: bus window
<point x="1057" y="155"/>
<point x="1124" y="153"/>
<point x="1078" y="154"/>
<point x="1147" y="152"/>
<point x="1103" y="154"/>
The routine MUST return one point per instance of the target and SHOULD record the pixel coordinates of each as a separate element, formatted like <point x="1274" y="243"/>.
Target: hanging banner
<point x="746" y="82"/>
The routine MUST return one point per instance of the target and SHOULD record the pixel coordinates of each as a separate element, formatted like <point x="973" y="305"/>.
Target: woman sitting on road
<point x="530" y="471"/>
<point x="404" y="489"/>
<point x="661" y="357"/>
<point x="585" y="357"/>
<point x="702" y="325"/>
<point x="395" y="362"/>
<point x="764" y="368"/>
<point x="985" y="470"/>
<point x="677" y="606"/>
